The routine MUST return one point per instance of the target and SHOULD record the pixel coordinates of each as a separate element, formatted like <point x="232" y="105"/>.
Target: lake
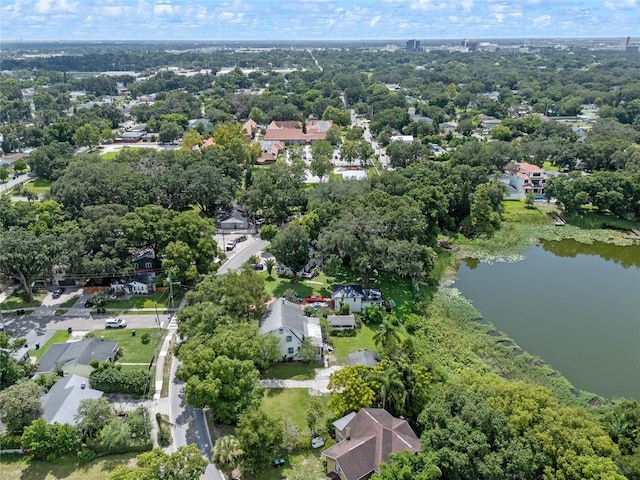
<point x="577" y="306"/>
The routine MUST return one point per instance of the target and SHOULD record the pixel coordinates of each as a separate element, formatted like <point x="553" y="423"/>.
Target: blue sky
<point x="314" y="19"/>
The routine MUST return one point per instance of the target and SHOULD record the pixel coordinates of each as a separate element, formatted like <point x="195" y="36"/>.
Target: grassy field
<point x="20" y="467"/>
<point x="60" y="336"/>
<point x="289" y="403"/>
<point x="276" y="285"/>
<point x="292" y="371"/>
<point x="144" y="301"/>
<point x="343" y="346"/>
<point x="109" y="155"/>
<point x="134" y="350"/>
<point x="551" y="168"/>
<point x="19" y="300"/>
<point x="39" y="186"/>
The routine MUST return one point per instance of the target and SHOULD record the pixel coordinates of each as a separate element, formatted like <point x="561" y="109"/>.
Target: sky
<point x="86" y="20"/>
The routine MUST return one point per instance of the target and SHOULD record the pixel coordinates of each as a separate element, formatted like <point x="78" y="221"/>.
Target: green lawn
<point x="60" y="336"/>
<point x="21" y="467"/>
<point x="19" y="300"/>
<point x="548" y="166"/>
<point x="343" y="346"/>
<point x="134" y="350"/>
<point x="291" y="460"/>
<point x="276" y="285"/>
<point x="145" y="301"/>
<point x="292" y="371"/>
<point x="289" y="403"/>
<point x="69" y="303"/>
<point x="516" y="211"/>
<point x="39" y="185"/>
<point x="109" y="155"/>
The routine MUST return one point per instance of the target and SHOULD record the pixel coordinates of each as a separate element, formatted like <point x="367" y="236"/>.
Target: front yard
<point x="60" y="336"/>
<point x="158" y="299"/>
<point x="19" y="300"/>
<point x="134" y="351"/>
<point x="292" y="371"/>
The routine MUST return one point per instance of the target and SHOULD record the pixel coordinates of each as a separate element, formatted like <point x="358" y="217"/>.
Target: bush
<point x="86" y="455"/>
<point x="94" y="363"/>
<point x="145" y="338"/>
<point x="111" y="379"/>
<point x="46" y="380"/>
<point x="164" y="438"/>
<point x="8" y="442"/>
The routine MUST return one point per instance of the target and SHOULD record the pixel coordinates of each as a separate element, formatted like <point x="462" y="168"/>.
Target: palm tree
<point x="226" y="453"/>
<point x="269" y="264"/>
<point x="386" y="335"/>
<point x="392" y="390"/>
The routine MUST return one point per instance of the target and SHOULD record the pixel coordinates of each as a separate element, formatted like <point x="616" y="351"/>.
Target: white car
<point x="317" y="442"/>
<point x="115" y="323"/>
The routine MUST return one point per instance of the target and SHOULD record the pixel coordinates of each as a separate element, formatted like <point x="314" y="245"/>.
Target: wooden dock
<point x="558" y="221"/>
<point x="635" y="236"/>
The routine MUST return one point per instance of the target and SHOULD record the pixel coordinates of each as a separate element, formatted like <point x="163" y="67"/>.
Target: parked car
<point x="231" y="244"/>
<point x="257" y="266"/>
<point x="319" y="305"/>
<point x="241" y="238"/>
<point x="314" y="299"/>
<point x="88" y="303"/>
<point x="1" y="327"/>
<point x="57" y="293"/>
<point x="115" y="323"/>
<point x="310" y="274"/>
<point x="317" y="442"/>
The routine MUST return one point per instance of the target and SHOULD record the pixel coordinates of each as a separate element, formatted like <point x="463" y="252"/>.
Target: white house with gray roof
<point x="287" y="321"/>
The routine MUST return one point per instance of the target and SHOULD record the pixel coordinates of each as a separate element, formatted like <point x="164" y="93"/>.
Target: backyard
<point x="21" y="467"/>
<point x="39" y="186"/>
<point x="343" y="346"/>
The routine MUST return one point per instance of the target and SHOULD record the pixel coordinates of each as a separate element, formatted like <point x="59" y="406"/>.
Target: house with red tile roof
<point x="365" y="440"/>
<point x="291" y="132"/>
<point x="249" y="128"/>
<point x="270" y="151"/>
<point x="525" y="177"/>
<point x="207" y="143"/>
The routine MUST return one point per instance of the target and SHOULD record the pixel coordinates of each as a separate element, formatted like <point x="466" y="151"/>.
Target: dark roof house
<point x="363" y="357"/>
<point x="365" y="440"/>
<point x="75" y="357"/>
<point x="60" y="404"/>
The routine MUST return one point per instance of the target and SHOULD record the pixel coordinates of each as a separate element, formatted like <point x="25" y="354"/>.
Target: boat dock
<point x="558" y="221"/>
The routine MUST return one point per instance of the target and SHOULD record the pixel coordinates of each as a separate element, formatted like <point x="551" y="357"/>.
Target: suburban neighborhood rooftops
<point x="283" y="314"/>
<point x="370" y="436"/>
<point x="60" y="355"/>
<point x="60" y="404"/>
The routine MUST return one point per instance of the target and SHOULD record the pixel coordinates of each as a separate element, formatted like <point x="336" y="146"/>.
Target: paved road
<point x="13" y="182"/>
<point x="241" y="255"/>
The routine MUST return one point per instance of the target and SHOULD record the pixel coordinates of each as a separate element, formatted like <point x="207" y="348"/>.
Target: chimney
<point x="83" y="385"/>
<point x="347" y="433"/>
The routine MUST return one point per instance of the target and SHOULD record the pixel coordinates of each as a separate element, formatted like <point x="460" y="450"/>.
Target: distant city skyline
<point x="254" y="20"/>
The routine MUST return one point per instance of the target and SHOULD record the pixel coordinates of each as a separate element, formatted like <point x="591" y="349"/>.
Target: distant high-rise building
<point x="412" y="45"/>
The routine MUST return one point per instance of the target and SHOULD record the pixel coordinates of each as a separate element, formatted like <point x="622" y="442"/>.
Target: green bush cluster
<point x="145" y="338"/>
<point x="9" y="442"/>
<point x="111" y="379"/>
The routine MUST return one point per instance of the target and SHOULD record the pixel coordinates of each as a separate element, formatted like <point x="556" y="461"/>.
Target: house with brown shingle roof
<point x="249" y="128"/>
<point x="365" y="440"/>
<point x="270" y="151"/>
<point x="291" y="132"/>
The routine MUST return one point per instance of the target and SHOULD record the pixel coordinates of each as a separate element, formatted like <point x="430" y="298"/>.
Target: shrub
<point x="111" y="379"/>
<point x="94" y="363"/>
<point x="164" y="438"/>
<point x="145" y="338"/>
<point x="8" y="442"/>
<point x="86" y="455"/>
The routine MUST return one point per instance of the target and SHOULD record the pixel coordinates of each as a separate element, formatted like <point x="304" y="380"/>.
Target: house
<point x="355" y="296"/>
<point x="234" y="220"/>
<point x="286" y="320"/>
<point x="60" y="404"/>
<point x="270" y="151"/>
<point x="363" y="357"/>
<point x="142" y="283"/>
<point x="75" y="357"/>
<point x="249" y="128"/>
<point x="207" y="143"/>
<point x="146" y="261"/>
<point x="488" y="122"/>
<point x="341" y="322"/>
<point x="291" y="132"/>
<point x="526" y="178"/>
<point x="365" y="440"/>
<point x="448" y="127"/>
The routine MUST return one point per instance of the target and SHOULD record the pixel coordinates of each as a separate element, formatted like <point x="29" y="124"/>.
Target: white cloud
<point x="54" y="6"/>
<point x="542" y="21"/>
<point x="430" y="5"/>
<point x="374" y="21"/>
<point x="232" y="17"/>
<point x="621" y="4"/>
<point x="499" y="17"/>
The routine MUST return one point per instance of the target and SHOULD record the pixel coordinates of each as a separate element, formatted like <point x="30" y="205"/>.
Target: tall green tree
<point x="291" y="247"/>
<point x="20" y="405"/>
<point x="227" y="453"/>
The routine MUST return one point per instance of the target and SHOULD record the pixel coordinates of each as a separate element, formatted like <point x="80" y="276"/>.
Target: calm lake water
<point x="576" y="306"/>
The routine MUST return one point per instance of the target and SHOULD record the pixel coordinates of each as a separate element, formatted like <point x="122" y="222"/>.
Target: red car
<point x="314" y="299"/>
